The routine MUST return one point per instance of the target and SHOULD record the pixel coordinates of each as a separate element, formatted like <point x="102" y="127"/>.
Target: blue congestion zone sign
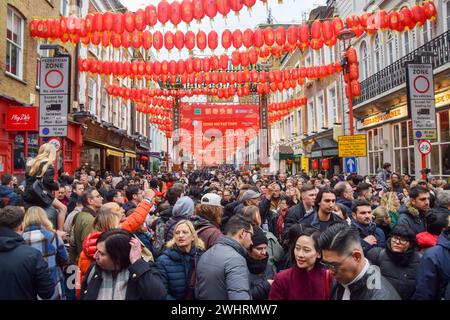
<point x="350" y="164"/>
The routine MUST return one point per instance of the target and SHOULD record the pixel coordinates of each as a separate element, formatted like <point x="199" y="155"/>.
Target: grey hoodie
<point x="182" y="210"/>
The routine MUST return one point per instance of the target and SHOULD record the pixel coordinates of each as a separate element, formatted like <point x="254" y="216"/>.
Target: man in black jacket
<point x="356" y="278"/>
<point x="303" y="208"/>
<point x="23" y="270"/>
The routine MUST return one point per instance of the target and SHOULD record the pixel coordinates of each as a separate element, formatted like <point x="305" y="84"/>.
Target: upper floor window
<point x="14" y="43"/>
<point x="91" y="95"/>
<point x="390" y="48"/>
<point x="364" y="61"/>
<point x="406" y="43"/>
<point x="378" y="56"/>
<point x="447" y="7"/>
<point x="65" y="7"/>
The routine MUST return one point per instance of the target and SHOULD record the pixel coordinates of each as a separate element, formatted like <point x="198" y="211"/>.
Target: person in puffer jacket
<point x="436" y="222"/>
<point x="178" y="262"/>
<point x="111" y="216"/>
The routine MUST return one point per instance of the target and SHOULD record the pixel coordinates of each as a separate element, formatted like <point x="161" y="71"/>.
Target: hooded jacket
<point x="7" y="192"/>
<point x="25" y="274"/>
<point x="426" y="240"/>
<point x="175" y="268"/>
<point x="312" y="220"/>
<point x="260" y="272"/>
<point x="222" y="272"/>
<point x="433" y="275"/>
<point x="411" y="217"/>
<point x="346" y="203"/>
<point x="293" y="216"/>
<point x="206" y="230"/>
<point x="370" y="230"/>
<point x="182" y="210"/>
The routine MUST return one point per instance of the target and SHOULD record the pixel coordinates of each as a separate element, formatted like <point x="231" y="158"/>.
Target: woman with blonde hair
<point x="41" y="168"/>
<point x="178" y="263"/>
<point x="39" y="233"/>
<point x="383" y="220"/>
<point x="391" y="203"/>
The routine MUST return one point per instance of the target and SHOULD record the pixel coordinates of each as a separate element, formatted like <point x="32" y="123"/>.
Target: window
<point x="447" y="6"/>
<point x="375" y="150"/>
<point x="124" y="117"/>
<point x="65" y="6"/>
<point x="115" y="112"/>
<point x="41" y="54"/>
<point x="364" y="71"/>
<point x="14" y="43"/>
<point x="426" y="32"/>
<point x="390" y="48"/>
<point x="332" y="55"/>
<point x="404" y="162"/>
<point x="19" y="151"/>
<point x="332" y="105"/>
<point x="312" y="112"/>
<point x="406" y="43"/>
<point x="91" y="95"/>
<point x="299" y="118"/>
<point x="320" y="114"/>
<point x="378" y="56"/>
<point x="104" y="105"/>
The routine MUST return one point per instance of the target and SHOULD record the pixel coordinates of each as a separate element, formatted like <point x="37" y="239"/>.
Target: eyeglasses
<point x="399" y="240"/>
<point x="334" y="266"/>
<point x="248" y="231"/>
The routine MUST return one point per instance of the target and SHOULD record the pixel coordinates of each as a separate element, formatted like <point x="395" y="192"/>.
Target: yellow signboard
<point x="305" y="164"/>
<point x="352" y="146"/>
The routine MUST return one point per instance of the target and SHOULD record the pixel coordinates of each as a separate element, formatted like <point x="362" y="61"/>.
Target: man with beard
<point x="323" y="215"/>
<point x="415" y="211"/>
<point x="371" y="236"/>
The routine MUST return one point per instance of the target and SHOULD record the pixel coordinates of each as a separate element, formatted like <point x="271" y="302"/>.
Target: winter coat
<point x="83" y="226"/>
<point x="48" y="180"/>
<point x="433" y="275"/>
<point x="53" y="251"/>
<point x="131" y="224"/>
<point x="72" y="202"/>
<point x="260" y="272"/>
<point x="263" y="206"/>
<point x="274" y="250"/>
<point x="129" y="205"/>
<point x="23" y="270"/>
<point x="300" y="284"/>
<point x="312" y="220"/>
<point x="370" y="230"/>
<point x="229" y="212"/>
<point x="9" y="194"/>
<point x="293" y="216"/>
<point x="346" y="203"/>
<point x="411" y="217"/>
<point x="144" y="282"/>
<point x="222" y="272"/>
<point x="399" y="269"/>
<point x="426" y="240"/>
<point x="381" y="290"/>
<point x="207" y="231"/>
<point x="175" y="268"/>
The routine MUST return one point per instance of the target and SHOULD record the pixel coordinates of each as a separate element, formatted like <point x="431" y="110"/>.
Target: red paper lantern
<point x="223" y="62"/>
<point x="189" y="65"/>
<point x="280" y="36"/>
<point x="189" y="40"/>
<point x="430" y="10"/>
<point x="172" y="67"/>
<point x="243" y="57"/>
<point x="304" y="36"/>
<point x="148" y="68"/>
<point x="163" y="12"/>
<point x="325" y="164"/>
<point x="269" y="36"/>
<point x="210" y="8"/>
<point x="169" y="41"/>
<point x="292" y="35"/>
<point x="237" y="38"/>
<point x="187" y="11"/>
<point x="98" y="22"/>
<point x="236" y="6"/>
<point x="249" y="3"/>
<point x="214" y="62"/>
<point x="136" y="39"/>
<point x="315" y="164"/>
<point x="406" y="18"/>
<point x="338" y="25"/>
<point x="223" y="7"/>
<point x="139" y="20"/>
<point x="264" y="52"/>
<point x="197" y="65"/>
<point x="129" y="21"/>
<point x="258" y="38"/>
<point x="179" y="40"/>
<point x="151" y="15"/>
<point x="393" y="20"/>
<point x="352" y="55"/>
<point x="206" y="64"/>
<point x="105" y="39"/>
<point x="175" y="13"/>
<point x="252" y="56"/>
<point x="34" y="28"/>
<point x="418" y="14"/>
<point x="235" y="58"/>
<point x="355" y="88"/>
<point x="383" y="20"/>
<point x="201" y="40"/>
<point x="213" y="40"/>
<point x="157" y="40"/>
<point x="199" y="10"/>
<point x="328" y="32"/>
<point x="115" y="40"/>
<point x="227" y="37"/>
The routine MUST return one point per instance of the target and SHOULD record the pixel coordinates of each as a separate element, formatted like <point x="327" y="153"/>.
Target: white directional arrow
<point x="350" y="163"/>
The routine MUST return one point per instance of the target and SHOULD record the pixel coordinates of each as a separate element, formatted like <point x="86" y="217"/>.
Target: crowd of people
<point x="222" y="235"/>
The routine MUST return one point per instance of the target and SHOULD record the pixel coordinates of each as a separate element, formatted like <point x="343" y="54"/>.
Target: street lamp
<point x="345" y="35"/>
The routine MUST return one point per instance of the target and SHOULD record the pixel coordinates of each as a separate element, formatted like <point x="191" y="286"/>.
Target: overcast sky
<point x="290" y="11"/>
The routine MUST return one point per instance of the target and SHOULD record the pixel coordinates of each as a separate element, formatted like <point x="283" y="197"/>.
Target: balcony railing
<point x="394" y="75"/>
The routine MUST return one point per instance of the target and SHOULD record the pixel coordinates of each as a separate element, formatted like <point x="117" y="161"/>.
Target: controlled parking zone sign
<point x="54" y="96"/>
<point x="420" y="89"/>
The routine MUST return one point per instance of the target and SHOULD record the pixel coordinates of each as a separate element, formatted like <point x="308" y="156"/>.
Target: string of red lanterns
<point x="129" y="31"/>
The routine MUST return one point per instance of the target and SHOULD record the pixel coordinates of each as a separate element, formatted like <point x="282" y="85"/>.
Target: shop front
<point x="107" y="149"/>
<point x="143" y="156"/>
<point x="286" y="159"/>
<point x="322" y="152"/>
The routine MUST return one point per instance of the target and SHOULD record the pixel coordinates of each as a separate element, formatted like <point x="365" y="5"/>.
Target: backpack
<point x="158" y="238"/>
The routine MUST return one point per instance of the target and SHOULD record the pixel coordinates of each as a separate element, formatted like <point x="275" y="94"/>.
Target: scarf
<point x="257" y="266"/>
<point x="399" y="258"/>
<point x="114" y="288"/>
<point x="280" y="222"/>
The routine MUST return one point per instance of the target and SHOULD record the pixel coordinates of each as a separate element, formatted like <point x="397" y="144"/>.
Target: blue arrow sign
<point x="350" y="165"/>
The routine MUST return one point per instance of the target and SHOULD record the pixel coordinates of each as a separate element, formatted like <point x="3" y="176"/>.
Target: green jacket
<point x="83" y="226"/>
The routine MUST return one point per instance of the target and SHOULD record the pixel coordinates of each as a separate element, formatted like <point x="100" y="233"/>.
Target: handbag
<point x="40" y="194"/>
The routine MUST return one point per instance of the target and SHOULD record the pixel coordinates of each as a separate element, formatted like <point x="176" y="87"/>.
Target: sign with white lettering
<point x="54" y="96"/>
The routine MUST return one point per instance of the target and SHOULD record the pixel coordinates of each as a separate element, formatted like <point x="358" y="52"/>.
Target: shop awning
<point x="130" y="154"/>
<point x="105" y="145"/>
<point x="286" y="152"/>
<point x="324" y="143"/>
<point x="110" y="152"/>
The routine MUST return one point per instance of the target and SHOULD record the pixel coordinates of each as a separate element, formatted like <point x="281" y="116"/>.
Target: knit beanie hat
<point x="258" y="237"/>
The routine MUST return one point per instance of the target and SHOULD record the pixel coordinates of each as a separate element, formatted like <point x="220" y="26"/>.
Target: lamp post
<point x="345" y="35"/>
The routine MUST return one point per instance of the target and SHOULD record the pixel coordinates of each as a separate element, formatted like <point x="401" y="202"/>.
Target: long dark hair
<point x="117" y="244"/>
<point x="308" y="232"/>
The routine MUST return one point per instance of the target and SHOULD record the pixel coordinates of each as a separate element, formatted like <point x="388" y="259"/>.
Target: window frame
<point x="364" y="71"/>
<point x="10" y="43"/>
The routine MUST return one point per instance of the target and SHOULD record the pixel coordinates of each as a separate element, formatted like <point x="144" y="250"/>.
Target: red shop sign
<point x="22" y="119"/>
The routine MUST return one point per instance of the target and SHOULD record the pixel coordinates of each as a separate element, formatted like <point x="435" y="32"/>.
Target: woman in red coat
<point x="305" y="280"/>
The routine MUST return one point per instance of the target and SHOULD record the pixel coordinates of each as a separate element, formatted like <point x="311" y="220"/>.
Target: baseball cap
<point x="211" y="199"/>
<point x="250" y="194"/>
